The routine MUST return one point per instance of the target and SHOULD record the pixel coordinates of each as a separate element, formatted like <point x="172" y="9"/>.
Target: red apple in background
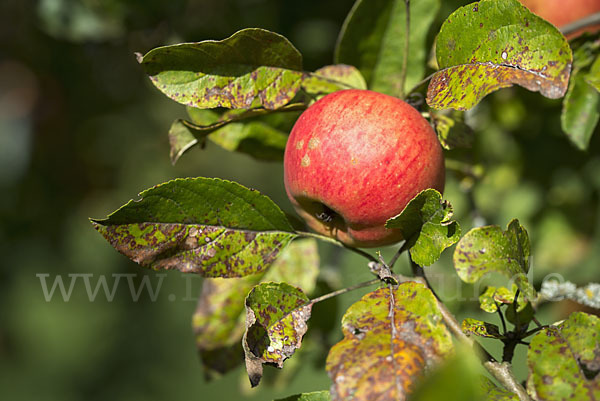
<point x="562" y="12"/>
<point x="354" y="159"/>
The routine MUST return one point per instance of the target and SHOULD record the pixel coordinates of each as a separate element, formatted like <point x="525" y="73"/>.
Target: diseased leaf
<point x="564" y="361"/>
<point x="373" y="36"/>
<point x="219" y="320"/>
<point x="426" y="224"/>
<point x="209" y="226"/>
<point x="276" y="315"/>
<point x="489" y="249"/>
<point x="480" y="328"/>
<point x="390" y="336"/>
<point x="333" y="78"/>
<point x="314" y="396"/>
<point x="452" y="130"/>
<point x="495" y="296"/>
<point x="581" y="108"/>
<point x="493" y="392"/>
<point x="493" y="44"/>
<point x="251" y="68"/>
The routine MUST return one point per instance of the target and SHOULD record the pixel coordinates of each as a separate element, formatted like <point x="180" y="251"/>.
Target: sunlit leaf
<point x="333" y="78"/>
<point x="488" y="249"/>
<point x="276" y="315"/>
<point x="492" y="297"/>
<point x="314" y="396"/>
<point x="564" y="361"/>
<point x="213" y="227"/>
<point x="480" y="328"/>
<point x="390" y="337"/>
<point x="426" y="223"/>
<point x="251" y="68"/>
<point x="219" y="319"/>
<point x="373" y="37"/>
<point x="493" y="44"/>
<point x="495" y="393"/>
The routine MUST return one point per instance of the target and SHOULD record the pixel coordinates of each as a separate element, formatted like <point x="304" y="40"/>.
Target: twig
<point x="503" y="373"/>
<point x="402" y="249"/>
<point x="581" y="23"/>
<point x="342" y="291"/>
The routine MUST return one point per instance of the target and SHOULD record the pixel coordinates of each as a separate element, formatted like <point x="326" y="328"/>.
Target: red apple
<point x="354" y="159"/>
<point x="562" y="12"/>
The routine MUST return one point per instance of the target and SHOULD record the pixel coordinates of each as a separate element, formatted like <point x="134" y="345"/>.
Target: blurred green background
<point x="82" y="131"/>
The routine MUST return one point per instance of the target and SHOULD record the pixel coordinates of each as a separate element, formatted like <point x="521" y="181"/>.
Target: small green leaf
<point x="593" y="77"/>
<point x="251" y="68"/>
<point x="452" y="130"/>
<point x="373" y="37"/>
<point x="276" y="315"/>
<point x="391" y="336"/>
<point x="219" y="319"/>
<point x="213" y="227"/>
<point x="520" y="316"/>
<point x="314" y="396"/>
<point x="494" y="296"/>
<point x="493" y="44"/>
<point x="480" y="328"/>
<point x="426" y="224"/>
<point x="488" y="249"/>
<point x="564" y="361"/>
<point x="493" y="392"/>
<point x="581" y="108"/>
<point x="333" y="78"/>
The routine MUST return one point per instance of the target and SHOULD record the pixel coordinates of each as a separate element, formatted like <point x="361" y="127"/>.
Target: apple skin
<point x="561" y="12"/>
<point x="354" y="159"/>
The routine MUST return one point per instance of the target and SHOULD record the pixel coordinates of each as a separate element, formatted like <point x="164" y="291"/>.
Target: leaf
<point x="314" y="396"/>
<point x="452" y="130"/>
<point x="480" y="328"/>
<point x="255" y="137"/>
<point x="276" y="315"/>
<point x="219" y="319"/>
<point x="493" y="44"/>
<point x="488" y="249"/>
<point x="373" y="36"/>
<point x="564" y="361"/>
<point x="209" y="226"/>
<point x="495" y="393"/>
<point x="390" y="337"/>
<point x="251" y="68"/>
<point x="333" y="78"/>
<point x="593" y="77"/>
<point x="581" y="109"/>
<point x="492" y="296"/>
<point x="425" y="223"/>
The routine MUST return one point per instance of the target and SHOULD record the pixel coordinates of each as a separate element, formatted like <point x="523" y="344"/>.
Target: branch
<point x="592" y="19"/>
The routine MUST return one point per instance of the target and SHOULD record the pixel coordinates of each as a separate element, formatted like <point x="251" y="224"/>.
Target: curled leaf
<point x="480" y="328"/>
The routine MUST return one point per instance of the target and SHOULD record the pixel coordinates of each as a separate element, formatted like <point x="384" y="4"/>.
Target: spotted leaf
<point x="252" y="68"/>
<point x="333" y="78"/>
<point x="564" y="361"/>
<point x="276" y="315"/>
<point x="426" y="224"/>
<point x="213" y="227"/>
<point x="219" y="319"/>
<point x="488" y="249"/>
<point x="493" y="44"/>
<point x="390" y="336"/>
<point x="480" y="328"/>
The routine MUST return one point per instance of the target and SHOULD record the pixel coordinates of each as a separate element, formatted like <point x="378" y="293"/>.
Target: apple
<point x="354" y="159"/>
<point x="562" y="12"/>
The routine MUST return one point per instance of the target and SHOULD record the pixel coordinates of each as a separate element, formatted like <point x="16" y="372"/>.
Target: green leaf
<point x="425" y="223"/>
<point x="593" y="77"/>
<point x="213" y="227"/>
<point x="493" y="44"/>
<point x="314" y="396"/>
<point x="480" y="328"/>
<point x="219" y="319"/>
<point x="581" y="109"/>
<point x="495" y="393"/>
<point x="276" y="315"/>
<point x="493" y="296"/>
<point x="251" y="68"/>
<point x="452" y="130"/>
<point x="333" y="78"/>
<point x="564" y="361"/>
<point x="390" y="336"/>
<point x="488" y="249"/>
<point x="373" y="37"/>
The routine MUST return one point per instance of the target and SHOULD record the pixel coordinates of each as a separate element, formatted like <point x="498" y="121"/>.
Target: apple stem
<point x="406" y="48"/>
<point x="574" y="26"/>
